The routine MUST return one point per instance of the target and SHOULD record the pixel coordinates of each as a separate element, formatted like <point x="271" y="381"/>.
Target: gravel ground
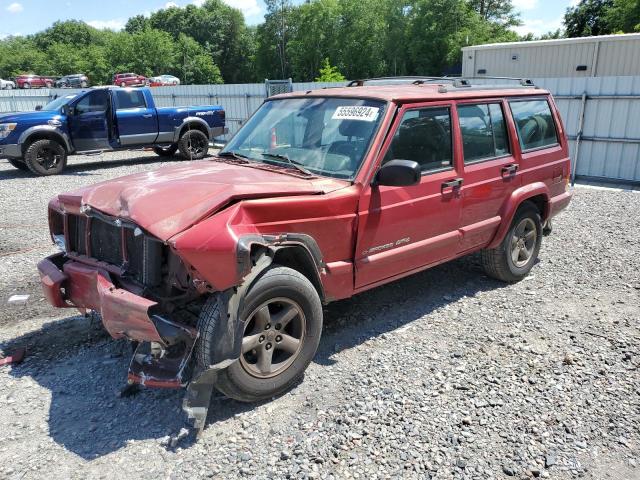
<point x="446" y="374"/>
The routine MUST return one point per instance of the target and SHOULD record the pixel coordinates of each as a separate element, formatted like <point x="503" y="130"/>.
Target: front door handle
<point x="509" y="170"/>
<point x="455" y="183"/>
<point x="147" y="115"/>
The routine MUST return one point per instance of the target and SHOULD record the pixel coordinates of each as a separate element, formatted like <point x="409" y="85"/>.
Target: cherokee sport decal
<point x="386" y="246"/>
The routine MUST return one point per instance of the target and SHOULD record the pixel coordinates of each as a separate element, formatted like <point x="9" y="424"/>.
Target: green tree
<point x="624" y="16"/>
<point x="587" y="18"/>
<point x="329" y="73"/>
<point x="194" y="64"/>
<point x="500" y="11"/>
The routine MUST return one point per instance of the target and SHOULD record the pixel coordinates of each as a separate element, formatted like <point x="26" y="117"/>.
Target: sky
<point x="23" y="17"/>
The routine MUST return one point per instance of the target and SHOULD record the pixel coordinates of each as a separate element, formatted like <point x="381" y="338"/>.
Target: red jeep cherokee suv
<point x="218" y="269"/>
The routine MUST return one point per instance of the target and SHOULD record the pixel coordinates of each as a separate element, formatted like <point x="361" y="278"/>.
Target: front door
<point x="137" y="122"/>
<point x="491" y="172"/>
<point x="89" y="122"/>
<point x="405" y="229"/>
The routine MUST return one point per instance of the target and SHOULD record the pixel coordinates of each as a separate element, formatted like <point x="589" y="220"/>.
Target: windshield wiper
<point x="293" y="163"/>
<point x="236" y="155"/>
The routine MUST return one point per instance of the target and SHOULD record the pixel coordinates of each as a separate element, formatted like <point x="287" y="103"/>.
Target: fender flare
<point x="228" y="335"/>
<point x="188" y="120"/>
<point x="59" y="135"/>
<point x="512" y="203"/>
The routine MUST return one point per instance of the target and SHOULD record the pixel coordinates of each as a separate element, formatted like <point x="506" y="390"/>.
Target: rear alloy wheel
<point x="193" y="145"/>
<point x="83" y="84"/>
<point x="26" y="85"/>
<point x="48" y="85"/>
<point x="167" y="151"/>
<point x="282" y="318"/>
<point x="122" y="84"/>
<point x="45" y="157"/>
<point x="514" y="258"/>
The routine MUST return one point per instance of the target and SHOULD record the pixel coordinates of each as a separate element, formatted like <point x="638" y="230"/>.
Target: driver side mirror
<point x="38" y="108"/>
<point x="67" y="110"/>
<point x="398" y="173"/>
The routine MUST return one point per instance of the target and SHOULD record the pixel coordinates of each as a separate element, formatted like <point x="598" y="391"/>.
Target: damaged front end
<point x="141" y="288"/>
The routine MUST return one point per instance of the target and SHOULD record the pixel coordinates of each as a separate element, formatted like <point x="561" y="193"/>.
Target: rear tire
<point x="19" y="164"/>
<point x="45" y="157"/>
<point x="26" y="85"/>
<point x="166" y="151"/>
<point x="193" y="145"/>
<point x="514" y="258"/>
<point x="287" y="335"/>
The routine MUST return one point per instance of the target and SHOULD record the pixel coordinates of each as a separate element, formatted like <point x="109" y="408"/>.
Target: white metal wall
<point x="610" y="142"/>
<point x="609" y="55"/>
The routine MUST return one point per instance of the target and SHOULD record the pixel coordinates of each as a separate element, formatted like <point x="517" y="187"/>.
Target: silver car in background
<point x="7" y="84"/>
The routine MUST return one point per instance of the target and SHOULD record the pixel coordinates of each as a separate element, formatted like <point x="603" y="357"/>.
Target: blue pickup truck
<point x="103" y="119"/>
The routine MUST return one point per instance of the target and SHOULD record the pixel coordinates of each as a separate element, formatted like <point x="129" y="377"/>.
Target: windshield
<point x="324" y="135"/>
<point x="58" y="102"/>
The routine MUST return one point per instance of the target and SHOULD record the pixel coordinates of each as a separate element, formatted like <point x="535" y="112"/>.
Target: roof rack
<point x="457" y="82"/>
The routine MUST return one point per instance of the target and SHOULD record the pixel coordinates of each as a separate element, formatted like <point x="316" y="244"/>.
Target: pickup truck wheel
<point x="193" y="145"/>
<point x="514" y="258"/>
<point x="166" y="151"/>
<point x="19" y="164"/>
<point x="282" y="315"/>
<point x="45" y="157"/>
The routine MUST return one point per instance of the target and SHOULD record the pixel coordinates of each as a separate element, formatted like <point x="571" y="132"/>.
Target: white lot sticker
<point x="367" y="114"/>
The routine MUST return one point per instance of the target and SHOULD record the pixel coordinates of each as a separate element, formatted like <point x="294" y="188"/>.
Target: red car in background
<point x="129" y="80"/>
<point x="34" y="81"/>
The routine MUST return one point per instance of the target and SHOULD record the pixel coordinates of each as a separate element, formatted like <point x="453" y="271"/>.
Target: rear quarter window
<point x="126" y="99"/>
<point x="534" y="122"/>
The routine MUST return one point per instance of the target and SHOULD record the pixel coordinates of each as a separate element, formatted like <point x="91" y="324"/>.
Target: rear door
<point x="491" y="171"/>
<point x="405" y="229"/>
<point x="88" y="123"/>
<point x="137" y="122"/>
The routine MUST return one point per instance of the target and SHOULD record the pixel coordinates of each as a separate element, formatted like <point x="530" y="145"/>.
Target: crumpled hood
<point x="169" y="200"/>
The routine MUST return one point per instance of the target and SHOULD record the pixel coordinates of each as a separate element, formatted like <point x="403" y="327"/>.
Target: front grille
<point x="141" y="256"/>
<point x="106" y="242"/>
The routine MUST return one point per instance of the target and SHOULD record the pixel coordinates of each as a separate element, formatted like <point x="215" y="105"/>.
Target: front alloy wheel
<point x="273" y="337"/>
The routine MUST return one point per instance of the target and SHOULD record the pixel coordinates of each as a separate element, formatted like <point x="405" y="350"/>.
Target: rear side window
<point x="534" y="123"/>
<point x="483" y="131"/>
<point x="129" y="99"/>
<point x="424" y="136"/>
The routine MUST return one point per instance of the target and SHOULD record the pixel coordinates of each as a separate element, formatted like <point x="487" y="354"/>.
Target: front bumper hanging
<point x="68" y="283"/>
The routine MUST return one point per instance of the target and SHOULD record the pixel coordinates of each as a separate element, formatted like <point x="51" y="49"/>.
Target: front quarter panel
<point x="211" y="247"/>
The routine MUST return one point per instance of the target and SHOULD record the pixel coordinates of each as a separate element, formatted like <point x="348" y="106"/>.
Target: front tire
<point x="514" y="258"/>
<point x="26" y="85"/>
<point x="193" y="145"/>
<point x="168" y="151"/>
<point x="45" y="157"/>
<point x="282" y="316"/>
<point x="19" y="164"/>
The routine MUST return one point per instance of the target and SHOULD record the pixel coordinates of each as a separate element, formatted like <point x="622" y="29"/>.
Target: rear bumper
<point x="559" y="203"/>
<point x="218" y="132"/>
<point x="67" y="283"/>
<point x="10" y="150"/>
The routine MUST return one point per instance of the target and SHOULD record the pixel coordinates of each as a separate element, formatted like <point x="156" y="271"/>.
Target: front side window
<point x="129" y="99"/>
<point x="534" y="123"/>
<point x="97" y="101"/>
<point x="324" y="135"/>
<point x="483" y="132"/>
<point x="424" y="136"/>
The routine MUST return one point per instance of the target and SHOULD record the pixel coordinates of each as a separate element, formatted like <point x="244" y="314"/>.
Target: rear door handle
<point x="456" y="182"/>
<point x="147" y="115"/>
<point x="509" y="170"/>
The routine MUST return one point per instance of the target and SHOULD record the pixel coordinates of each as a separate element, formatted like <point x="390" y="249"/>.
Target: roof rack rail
<point x="458" y="82"/>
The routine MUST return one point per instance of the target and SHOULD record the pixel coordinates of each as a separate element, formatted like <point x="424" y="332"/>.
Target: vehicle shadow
<point x="85" y="370"/>
<point x="88" y="165"/>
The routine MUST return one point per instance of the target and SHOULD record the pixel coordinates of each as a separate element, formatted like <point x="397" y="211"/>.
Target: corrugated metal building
<point x="607" y="55"/>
